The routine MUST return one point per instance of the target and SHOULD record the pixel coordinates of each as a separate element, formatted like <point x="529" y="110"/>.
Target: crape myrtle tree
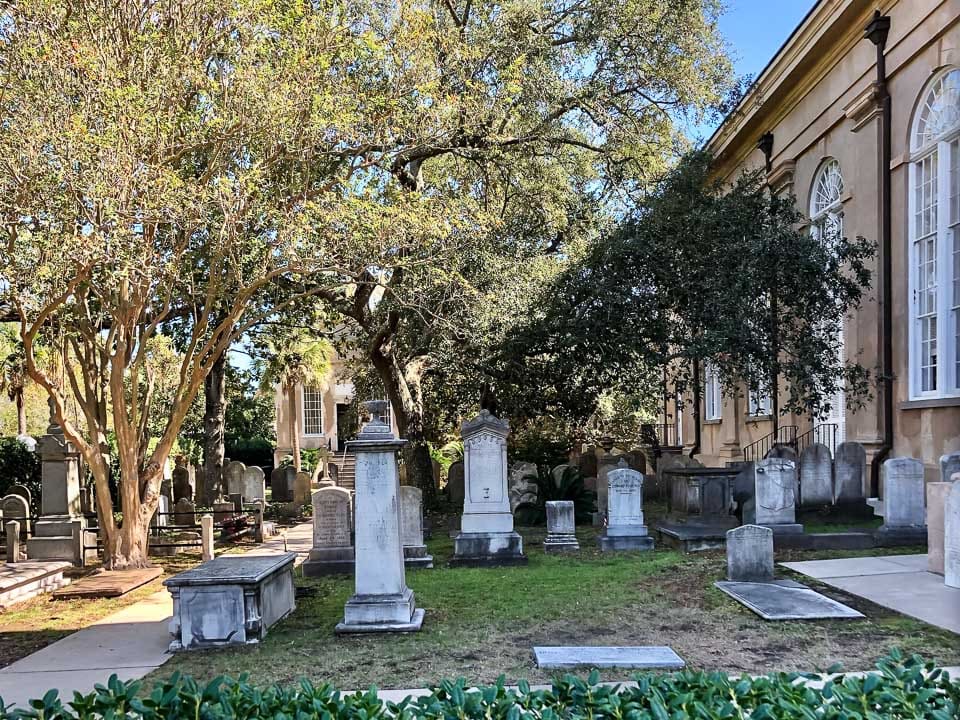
<point x="165" y="167"/>
<point x="704" y="271"/>
<point x="535" y="118"/>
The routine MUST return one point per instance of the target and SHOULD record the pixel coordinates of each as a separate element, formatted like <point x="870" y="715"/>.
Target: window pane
<point x="312" y="411"/>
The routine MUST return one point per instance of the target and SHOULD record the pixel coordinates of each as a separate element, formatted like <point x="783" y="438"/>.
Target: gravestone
<point x="301" y="488"/>
<point x="411" y="528"/>
<point x="21" y="490"/>
<point x="181" y="480"/>
<point x="161" y="518"/>
<point x="937" y="494"/>
<point x="782" y="452"/>
<point x="903" y="495"/>
<point x="774" y="496"/>
<point x="437" y="472"/>
<point x="332" y="552"/>
<point x="522" y="485"/>
<point x="850" y="465"/>
<point x="625" y="526"/>
<point x="561" y="527"/>
<point x="280" y="491"/>
<point x="750" y="554"/>
<point x="455" y="486"/>
<point x="233" y="474"/>
<point x="816" y="476"/>
<point x="588" y="462"/>
<point x="222" y="510"/>
<point x="486" y="533"/>
<point x="951" y="536"/>
<point x="15" y="507"/>
<point x="949" y="465"/>
<point x="254" y="484"/>
<point x="557" y="473"/>
<point x="206" y="537"/>
<point x="13" y="541"/>
<point x="593" y="656"/>
<point x="605" y="463"/>
<point x="382" y="602"/>
<point x="183" y="512"/>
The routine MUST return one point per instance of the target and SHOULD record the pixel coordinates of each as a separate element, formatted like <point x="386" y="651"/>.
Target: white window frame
<point x="712" y="394"/>
<point x="759" y="404"/>
<point x="303" y="411"/>
<point x="946" y="258"/>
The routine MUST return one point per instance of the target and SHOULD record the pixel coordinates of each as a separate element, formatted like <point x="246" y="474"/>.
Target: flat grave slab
<point x="786" y="600"/>
<point x="108" y="584"/>
<point x="24" y="580"/>
<point x="608" y="657"/>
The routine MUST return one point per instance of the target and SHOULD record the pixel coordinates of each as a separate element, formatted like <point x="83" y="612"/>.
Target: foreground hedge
<point x="901" y="689"/>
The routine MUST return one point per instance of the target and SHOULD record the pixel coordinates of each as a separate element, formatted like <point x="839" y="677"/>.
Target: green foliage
<point x="542" y="442"/>
<point x="250" y="451"/>
<point x="566" y="485"/>
<point x="19" y="466"/>
<point x="900" y="688"/>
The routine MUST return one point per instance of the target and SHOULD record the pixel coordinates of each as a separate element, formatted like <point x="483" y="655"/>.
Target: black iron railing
<point x="822" y="433"/>
<point x="758" y="449"/>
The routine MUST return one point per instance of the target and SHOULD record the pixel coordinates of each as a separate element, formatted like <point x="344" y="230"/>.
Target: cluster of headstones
<point x="289" y="486"/>
<point x="15" y="511"/>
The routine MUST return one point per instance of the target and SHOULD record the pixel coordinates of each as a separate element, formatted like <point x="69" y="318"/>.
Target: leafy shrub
<point x="543" y="443"/>
<point x="250" y="451"/>
<point x="568" y="486"/>
<point x="901" y="689"/>
<point x="19" y="466"/>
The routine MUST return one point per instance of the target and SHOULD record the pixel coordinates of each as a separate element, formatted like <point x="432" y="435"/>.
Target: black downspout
<point x="765" y="145"/>
<point x="695" y="450"/>
<point x="876" y="31"/>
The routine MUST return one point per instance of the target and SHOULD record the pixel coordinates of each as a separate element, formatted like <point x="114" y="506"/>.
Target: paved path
<point x="130" y="643"/>
<point x="898" y="582"/>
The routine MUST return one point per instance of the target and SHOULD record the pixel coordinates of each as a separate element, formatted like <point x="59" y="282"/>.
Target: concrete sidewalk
<point x="130" y="643"/>
<point x="898" y="582"/>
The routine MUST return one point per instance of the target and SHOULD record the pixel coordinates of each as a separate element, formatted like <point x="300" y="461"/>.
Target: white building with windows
<point x="821" y="99"/>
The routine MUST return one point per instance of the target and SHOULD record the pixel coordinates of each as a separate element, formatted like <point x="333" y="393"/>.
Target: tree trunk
<point x="21" y="413"/>
<point x="214" y="424"/>
<point x="128" y="547"/>
<point x="291" y="391"/>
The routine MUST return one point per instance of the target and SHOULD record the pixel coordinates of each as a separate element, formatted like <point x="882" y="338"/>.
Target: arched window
<point x="826" y="222"/>
<point x="934" y="231"/>
<point x="826" y="207"/>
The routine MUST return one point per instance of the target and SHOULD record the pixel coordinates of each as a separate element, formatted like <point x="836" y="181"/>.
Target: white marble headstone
<point x="331" y="517"/>
<point x="775" y="495"/>
<point x="625" y="503"/>
<point x="411" y="515"/>
<point x="254" y="484"/>
<point x="903" y="493"/>
<point x="816" y="476"/>
<point x="951" y="537"/>
<point x="850" y="465"/>
<point x="750" y="554"/>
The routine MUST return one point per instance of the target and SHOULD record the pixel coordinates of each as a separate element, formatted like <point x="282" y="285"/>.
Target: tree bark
<point x="214" y="427"/>
<point x="21" y="413"/>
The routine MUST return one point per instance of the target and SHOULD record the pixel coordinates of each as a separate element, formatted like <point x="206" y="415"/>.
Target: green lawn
<point x="483" y="622"/>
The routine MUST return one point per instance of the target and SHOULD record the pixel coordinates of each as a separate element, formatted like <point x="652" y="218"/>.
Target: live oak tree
<point x="163" y="170"/>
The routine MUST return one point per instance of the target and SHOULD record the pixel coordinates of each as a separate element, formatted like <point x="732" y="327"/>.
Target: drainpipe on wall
<point x="876" y="32"/>
<point x="695" y="450"/>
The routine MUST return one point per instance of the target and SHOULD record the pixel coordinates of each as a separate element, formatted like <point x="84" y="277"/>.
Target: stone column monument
<point x="486" y="533"/>
<point x="54" y="535"/>
<point x="382" y="601"/>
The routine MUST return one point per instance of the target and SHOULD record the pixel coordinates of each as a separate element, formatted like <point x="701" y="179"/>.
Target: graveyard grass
<point x="483" y="622"/>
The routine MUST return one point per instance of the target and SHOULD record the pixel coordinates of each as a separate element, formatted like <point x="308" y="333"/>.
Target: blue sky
<point x="755" y="30"/>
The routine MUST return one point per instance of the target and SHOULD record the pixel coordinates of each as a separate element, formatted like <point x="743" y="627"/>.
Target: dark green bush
<point x="569" y="486"/>
<point x="20" y="466"/>
<point x="900" y="689"/>
<point x="250" y="451"/>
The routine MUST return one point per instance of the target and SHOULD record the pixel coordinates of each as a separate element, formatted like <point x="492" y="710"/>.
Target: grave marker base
<point x="487" y="550"/>
<point x="624" y="543"/>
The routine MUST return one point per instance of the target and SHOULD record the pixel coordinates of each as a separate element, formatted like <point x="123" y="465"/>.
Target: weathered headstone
<point x="949" y="465"/>
<point x="850" y="465"/>
<point x="625" y="526"/>
<point x="183" y="512"/>
<point x="301" y="488"/>
<point x="233" y="474"/>
<point x="951" y="536"/>
<point x="455" y="485"/>
<point x="561" y="527"/>
<point x="206" y="537"/>
<point x="782" y="452"/>
<point x="903" y="494"/>
<point x="181" y="480"/>
<point x="332" y="552"/>
<point x="937" y="494"/>
<point x="588" y="462"/>
<point x="222" y="510"/>
<point x="605" y="464"/>
<point x="486" y="534"/>
<point x="15" y="507"/>
<point x="13" y="541"/>
<point x="21" y="490"/>
<point x="816" y="476"/>
<point x="774" y="498"/>
<point x="411" y="528"/>
<point x="382" y="602"/>
<point x="522" y="485"/>
<point x="161" y="518"/>
<point x="279" y="491"/>
<point x="254" y="484"/>
<point x="750" y="554"/>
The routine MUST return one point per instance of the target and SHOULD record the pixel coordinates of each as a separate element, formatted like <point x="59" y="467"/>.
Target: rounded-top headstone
<point x="332" y="507"/>
<point x="750" y="554"/>
<point x="816" y="476"/>
<point x="849" y="468"/>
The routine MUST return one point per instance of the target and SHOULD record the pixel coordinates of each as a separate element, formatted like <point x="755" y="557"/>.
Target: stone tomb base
<point x="608" y="657"/>
<point x="416" y="556"/>
<point x="624" y="543"/>
<point x="690" y="537"/>
<point x="783" y="528"/>
<point x="488" y="549"/>
<point x="786" y="600"/>
<point x="898" y="536"/>
<point x="557" y="543"/>
<point x="380" y="613"/>
<point x="329" y="561"/>
<point x="24" y="580"/>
